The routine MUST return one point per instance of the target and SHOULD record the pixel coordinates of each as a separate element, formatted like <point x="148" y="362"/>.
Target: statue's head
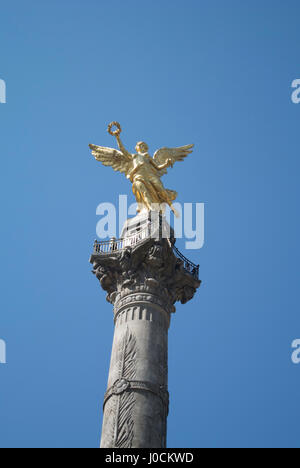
<point x="141" y="147"/>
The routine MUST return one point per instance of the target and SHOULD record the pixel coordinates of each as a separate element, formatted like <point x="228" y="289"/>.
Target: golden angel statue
<point x="142" y="170"/>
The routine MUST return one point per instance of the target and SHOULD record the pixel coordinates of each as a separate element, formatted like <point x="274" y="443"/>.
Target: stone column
<point x="143" y="283"/>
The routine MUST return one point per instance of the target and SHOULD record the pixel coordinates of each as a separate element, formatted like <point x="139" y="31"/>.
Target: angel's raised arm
<point x="122" y="147"/>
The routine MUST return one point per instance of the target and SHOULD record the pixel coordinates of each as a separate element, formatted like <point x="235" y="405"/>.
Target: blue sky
<point x="214" y="73"/>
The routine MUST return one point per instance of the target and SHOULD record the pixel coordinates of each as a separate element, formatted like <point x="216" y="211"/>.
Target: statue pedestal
<point x="143" y="278"/>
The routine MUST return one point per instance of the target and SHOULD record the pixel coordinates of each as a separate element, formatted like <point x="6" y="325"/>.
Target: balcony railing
<point x="114" y="245"/>
<point x="188" y="265"/>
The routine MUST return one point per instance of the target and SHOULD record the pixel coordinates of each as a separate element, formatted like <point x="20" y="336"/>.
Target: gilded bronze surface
<point x="143" y="171"/>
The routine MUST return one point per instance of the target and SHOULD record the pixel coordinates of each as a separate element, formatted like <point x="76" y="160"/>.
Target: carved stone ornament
<point x="124" y="385"/>
<point x="148" y="267"/>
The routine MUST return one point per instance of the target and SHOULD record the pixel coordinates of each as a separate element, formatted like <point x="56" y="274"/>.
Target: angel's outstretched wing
<point x="175" y="154"/>
<point x="112" y="157"/>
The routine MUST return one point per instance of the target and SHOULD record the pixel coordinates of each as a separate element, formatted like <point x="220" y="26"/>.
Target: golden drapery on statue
<point x="142" y="170"/>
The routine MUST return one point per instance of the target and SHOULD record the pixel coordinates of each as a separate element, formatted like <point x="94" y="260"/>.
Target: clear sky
<point x="214" y="73"/>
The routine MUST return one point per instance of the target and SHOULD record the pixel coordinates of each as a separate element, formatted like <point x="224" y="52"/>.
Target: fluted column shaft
<point x="136" y="402"/>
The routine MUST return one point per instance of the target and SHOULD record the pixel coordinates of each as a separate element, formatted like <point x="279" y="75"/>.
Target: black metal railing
<point x="188" y="265"/>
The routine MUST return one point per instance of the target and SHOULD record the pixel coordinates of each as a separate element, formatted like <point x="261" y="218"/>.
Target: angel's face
<point x="141" y="147"/>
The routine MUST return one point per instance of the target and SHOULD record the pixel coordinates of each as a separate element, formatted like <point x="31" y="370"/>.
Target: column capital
<point x="148" y="268"/>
